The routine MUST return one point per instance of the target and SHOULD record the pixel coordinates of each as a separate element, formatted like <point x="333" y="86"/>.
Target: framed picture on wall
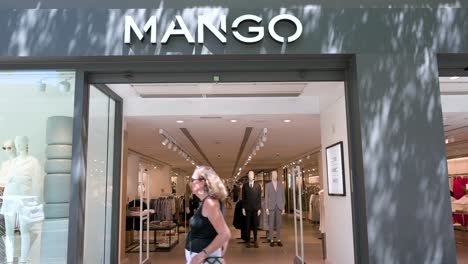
<point x="335" y="170"/>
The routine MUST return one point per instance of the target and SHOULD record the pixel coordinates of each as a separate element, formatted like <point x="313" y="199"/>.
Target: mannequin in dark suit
<point x="252" y="204"/>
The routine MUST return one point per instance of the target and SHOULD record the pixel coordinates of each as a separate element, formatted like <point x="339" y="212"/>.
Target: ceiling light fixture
<point x="260" y="143"/>
<point x="172" y="145"/>
<point x="287" y="121"/>
<point x="454" y="77"/>
<point x="233" y="121"/>
<point x="180" y="121"/>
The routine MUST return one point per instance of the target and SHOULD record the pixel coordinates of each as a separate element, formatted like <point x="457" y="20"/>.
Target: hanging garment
<point x="239" y="220"/>
<point x="459" y="185"/>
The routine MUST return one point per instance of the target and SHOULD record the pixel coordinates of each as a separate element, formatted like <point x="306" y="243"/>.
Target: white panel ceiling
<point x="208" y="121"/>
<point x="220" y="139"/>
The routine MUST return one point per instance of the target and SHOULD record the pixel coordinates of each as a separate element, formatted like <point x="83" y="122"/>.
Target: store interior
<point x="220" y="124"/>
<point x="234" y="128"/>
<point x="454" y="95"/>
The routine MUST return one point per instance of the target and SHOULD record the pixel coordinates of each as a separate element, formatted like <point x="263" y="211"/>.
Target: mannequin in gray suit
<point x="274" y="197"/>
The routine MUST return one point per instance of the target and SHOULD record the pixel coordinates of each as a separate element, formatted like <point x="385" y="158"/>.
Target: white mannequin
<point x="10" y="149"/>
<point x="251" y="181"/>
<point x="274" y="181"/>
<point x="24" y="181"/>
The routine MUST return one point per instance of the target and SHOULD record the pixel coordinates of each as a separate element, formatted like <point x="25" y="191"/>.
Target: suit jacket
<point x="252" y="197"/>
<point x="274" y="198"/>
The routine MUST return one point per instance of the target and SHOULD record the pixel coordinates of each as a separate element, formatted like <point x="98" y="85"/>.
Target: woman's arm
<point x="212" y="211"/>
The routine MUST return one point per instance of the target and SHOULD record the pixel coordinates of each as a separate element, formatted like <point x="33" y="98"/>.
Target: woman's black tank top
<point x="202" y="232"/>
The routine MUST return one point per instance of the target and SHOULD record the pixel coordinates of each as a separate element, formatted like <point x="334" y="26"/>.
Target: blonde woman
<point x="209" y="234"/>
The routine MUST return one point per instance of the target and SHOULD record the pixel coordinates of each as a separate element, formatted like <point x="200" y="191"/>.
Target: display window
<point x="36" y="116"/>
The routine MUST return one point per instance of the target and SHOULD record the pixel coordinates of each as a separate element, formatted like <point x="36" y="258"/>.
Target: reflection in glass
<point x="36" y="110"/>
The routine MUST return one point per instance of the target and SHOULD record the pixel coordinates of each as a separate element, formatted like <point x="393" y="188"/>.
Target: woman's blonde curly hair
<point x="214" y="184"/>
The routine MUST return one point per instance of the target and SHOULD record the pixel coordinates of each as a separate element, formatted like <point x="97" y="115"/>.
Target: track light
<point x="257" y="147"/>
<point x="174" y="147"/>
<point x="262" y="144"/>
<point x="165" y="141"/>
<point x="170" y="145"/>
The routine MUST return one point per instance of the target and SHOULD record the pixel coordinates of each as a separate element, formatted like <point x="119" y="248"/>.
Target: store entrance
<point x="261" y="129"/>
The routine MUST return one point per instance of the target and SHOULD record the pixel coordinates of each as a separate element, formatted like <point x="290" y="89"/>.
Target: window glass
<point x="36" y="121"/>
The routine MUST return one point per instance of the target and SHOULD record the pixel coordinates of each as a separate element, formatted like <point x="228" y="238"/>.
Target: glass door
<point x="102" y="174"/>
<point x="298" y="217"/>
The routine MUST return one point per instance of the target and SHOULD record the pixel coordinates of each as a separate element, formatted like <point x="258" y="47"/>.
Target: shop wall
<point x="338" y="211"/>
<point x="458" y="166"/>
<point x="181" y="182"/>
<point x="99" y="32"/>
<point x="395" y="102"/>
<point x="159" y="178"/>
<point x="161" y="181"/>
<point x="396" y="111"/>
<point x="27" y="116"/>
<point x="132" y="176"/>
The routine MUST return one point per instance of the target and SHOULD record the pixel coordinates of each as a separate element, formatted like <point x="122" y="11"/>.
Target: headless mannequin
<point x="274" y="181"/>
<point x="274" y="197"/>
<point x="23" y="181"/>
<point x="10" y="149"/>
<point x="251" y="182"/>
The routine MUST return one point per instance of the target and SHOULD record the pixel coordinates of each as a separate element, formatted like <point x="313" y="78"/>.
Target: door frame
<point x="79" y="166"/>
<point x="170" y="69"/>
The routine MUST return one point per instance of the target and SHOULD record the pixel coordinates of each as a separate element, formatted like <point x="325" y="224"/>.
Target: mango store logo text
<point x="255" y="33"/>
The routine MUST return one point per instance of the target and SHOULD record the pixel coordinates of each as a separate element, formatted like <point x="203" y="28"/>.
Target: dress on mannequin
<point x="24" y="182"/>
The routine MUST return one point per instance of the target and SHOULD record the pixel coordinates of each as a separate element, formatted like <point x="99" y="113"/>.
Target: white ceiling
<point x="218" y="138"/>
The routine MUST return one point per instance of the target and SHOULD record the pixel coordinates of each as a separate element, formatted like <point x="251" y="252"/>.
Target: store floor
<point x="238" y="253"/>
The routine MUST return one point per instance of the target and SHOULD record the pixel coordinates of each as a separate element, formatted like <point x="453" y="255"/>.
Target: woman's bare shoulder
<point x="212" y="203"/>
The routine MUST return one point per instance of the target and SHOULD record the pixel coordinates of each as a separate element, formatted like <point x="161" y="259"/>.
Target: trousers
<point x="274" y="221"/>
<point x="251" y="223"/>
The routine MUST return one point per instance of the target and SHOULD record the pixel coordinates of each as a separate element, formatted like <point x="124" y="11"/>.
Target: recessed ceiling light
<point x="454" y="77"/>
<point x="180" y="121"/>
<point x="287" y="120"/>
<point x="233" y="121"/>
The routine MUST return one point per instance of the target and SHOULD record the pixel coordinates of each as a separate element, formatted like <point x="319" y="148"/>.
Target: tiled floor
<point x="238" y="253"/>
<point x="462" y="246"/>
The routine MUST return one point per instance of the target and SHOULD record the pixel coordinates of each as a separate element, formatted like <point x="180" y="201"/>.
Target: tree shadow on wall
<point x="405" y="171"/>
